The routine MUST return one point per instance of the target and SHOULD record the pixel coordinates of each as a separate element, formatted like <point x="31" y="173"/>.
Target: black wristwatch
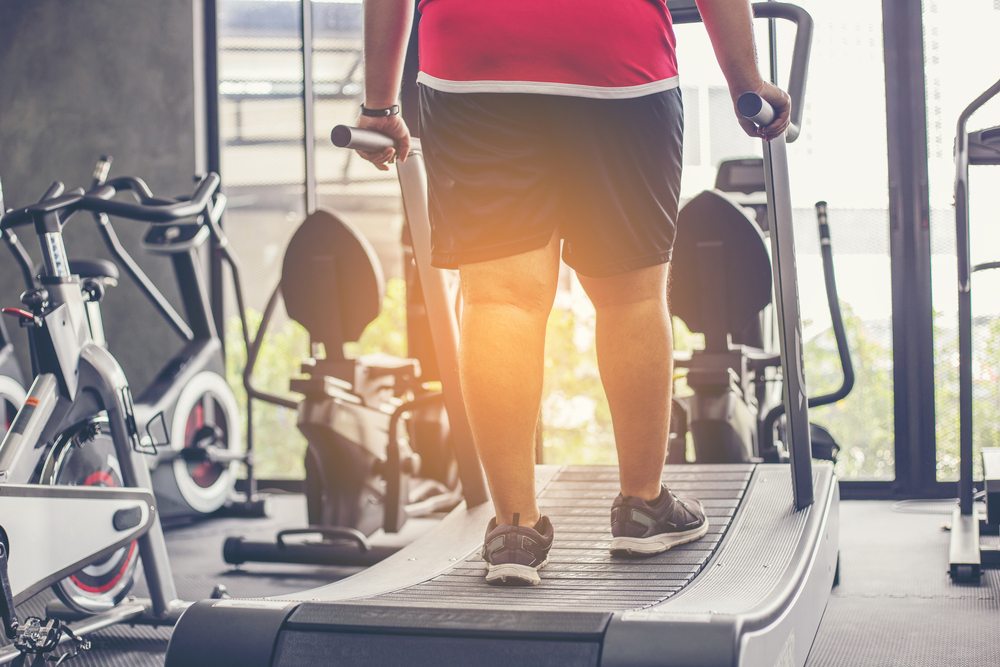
<point x="380" y="113"/>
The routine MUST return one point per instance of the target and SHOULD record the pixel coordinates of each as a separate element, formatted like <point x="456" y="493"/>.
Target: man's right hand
<point x="395" y="128"/>
<point x="782" y="105"/>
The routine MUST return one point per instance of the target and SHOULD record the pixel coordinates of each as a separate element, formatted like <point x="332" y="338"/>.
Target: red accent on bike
<point x="20" y="313"/>
<point x="111" y="584"/>
<point x="203" y="473"/>
<point x="99" y="477"/>
<point x="32" y="402"/>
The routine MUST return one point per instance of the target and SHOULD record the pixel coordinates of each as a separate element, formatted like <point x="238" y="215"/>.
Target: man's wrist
<point x="747" y="86"/>
<point x="379" y="112"/>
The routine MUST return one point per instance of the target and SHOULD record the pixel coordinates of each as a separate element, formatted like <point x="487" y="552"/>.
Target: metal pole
<point x="214" y="156"/>
<point x="307" y="107"/>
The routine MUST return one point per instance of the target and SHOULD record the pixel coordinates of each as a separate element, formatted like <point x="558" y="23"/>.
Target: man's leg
<point x="505" y="308"/>
<point x="635" y="357"/>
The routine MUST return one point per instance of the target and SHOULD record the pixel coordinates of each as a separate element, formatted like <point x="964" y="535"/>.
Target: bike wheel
<point x="206" y="414"/>
<point x="85" y="456"/>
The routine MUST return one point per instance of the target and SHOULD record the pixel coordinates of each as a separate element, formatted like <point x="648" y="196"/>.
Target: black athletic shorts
<point x="504" y="170"/>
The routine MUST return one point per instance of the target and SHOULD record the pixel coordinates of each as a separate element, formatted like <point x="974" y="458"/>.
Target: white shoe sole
<point x="512" y="573"/>
<point x="647" y="546"/>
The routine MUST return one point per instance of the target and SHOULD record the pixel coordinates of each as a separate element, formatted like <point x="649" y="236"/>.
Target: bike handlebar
<point x="99" y="200"/>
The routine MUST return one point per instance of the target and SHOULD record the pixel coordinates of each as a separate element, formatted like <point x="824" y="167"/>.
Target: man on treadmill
<point x="548" y="126"/>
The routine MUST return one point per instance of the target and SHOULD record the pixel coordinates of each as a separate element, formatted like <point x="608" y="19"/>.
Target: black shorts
<point x="505" y="170"/>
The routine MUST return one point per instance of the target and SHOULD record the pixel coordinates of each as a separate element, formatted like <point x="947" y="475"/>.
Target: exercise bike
<point x="379" y="447"/>
<point x="721" y="275"/>
<point x="195" y="470"/>
<point x="77" y="509"/>
<point x="11" y="381"/>
<point x="189" y="409"/>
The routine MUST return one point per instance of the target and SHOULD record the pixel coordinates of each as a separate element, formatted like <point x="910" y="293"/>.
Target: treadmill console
<point x="743" y="178"/>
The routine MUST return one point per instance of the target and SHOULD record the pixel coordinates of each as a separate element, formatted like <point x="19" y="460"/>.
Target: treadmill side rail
<point x="766" y="619"/>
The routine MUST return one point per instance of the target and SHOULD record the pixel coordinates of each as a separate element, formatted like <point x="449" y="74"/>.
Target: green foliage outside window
<point x="863" y="423"/>
<point x="985" y="395"/>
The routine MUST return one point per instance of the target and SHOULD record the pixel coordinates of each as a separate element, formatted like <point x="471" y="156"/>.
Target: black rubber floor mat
<point x="896" y="605"/>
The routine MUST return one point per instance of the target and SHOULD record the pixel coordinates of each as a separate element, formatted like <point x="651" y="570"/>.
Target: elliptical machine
<point x="721" y="275"/>
<point x="379" y="445"/>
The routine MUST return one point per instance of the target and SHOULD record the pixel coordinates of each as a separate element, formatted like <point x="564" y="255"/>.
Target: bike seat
<point x="94" y="268"/>
<point x="721" y="270"/>
<point x="331" y="281"/>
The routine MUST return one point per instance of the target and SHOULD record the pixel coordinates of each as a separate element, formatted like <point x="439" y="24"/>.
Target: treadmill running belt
<point x="578" y="501"/>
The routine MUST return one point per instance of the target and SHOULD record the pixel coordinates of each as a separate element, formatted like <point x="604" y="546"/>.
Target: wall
<point x="82" y="79"/>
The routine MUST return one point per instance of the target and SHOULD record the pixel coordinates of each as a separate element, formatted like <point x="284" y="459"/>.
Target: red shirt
<point x="581" y="48"/>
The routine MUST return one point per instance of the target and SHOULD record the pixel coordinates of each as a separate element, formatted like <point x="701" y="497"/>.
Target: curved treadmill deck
<point x="751" y="592"/>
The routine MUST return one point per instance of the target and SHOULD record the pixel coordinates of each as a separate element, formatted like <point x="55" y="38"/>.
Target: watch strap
<point x="379" y="113"/>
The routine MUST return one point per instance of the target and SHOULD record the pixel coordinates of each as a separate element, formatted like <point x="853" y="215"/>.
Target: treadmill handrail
<point x="964" y="253"/>
<point x="800" y="51"/>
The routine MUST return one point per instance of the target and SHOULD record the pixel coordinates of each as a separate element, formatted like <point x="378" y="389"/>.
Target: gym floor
<point x="895" y="605"/>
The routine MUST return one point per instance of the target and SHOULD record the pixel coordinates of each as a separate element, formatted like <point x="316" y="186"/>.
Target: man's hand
<point x="386" y="29"/>
<point x="395" y="128"/>
<point x="781" y="103"/>
<point x="730" y="27"/>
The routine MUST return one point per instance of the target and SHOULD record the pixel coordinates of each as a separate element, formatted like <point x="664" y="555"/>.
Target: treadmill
<point x="751" y="592"/>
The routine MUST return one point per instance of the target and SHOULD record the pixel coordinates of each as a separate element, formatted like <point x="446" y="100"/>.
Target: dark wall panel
<point x="81" y="79"/>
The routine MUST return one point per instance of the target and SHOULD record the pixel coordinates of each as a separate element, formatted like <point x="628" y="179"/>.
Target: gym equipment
<point x="11" y="381"/>
<point x="750" y="593"/>
<point x="721" y="287"/>
<point x="74" y="454"/>
<point x="195" y="473"/>
<point x="371" y="424"/>
<point x="967" y="557"/>
<point x="188" y="412"/>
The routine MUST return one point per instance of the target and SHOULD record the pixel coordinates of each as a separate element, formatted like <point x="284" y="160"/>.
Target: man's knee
<point x="527" y="281"/>
<point x="642" y="285"/>
<point x="524" y="291"/>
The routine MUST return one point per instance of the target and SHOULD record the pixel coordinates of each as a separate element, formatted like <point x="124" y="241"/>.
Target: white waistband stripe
<point x="547" y="88"/>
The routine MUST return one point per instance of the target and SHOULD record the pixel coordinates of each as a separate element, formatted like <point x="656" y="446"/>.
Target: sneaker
<point x="642" y="528"/>
<point x="515" y="553"/>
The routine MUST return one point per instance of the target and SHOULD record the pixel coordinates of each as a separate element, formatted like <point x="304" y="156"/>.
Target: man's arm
<point x="730" y="27"/>
<point x="386" y="33"/>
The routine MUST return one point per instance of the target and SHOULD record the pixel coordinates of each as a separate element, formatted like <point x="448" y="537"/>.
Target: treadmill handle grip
<point x="755" y="108"/>
<point x="369" y="141"/>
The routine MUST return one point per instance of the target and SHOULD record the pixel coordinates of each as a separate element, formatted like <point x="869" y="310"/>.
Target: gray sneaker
<point x="515" y="553"/>
<point x="641" y="528"/>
